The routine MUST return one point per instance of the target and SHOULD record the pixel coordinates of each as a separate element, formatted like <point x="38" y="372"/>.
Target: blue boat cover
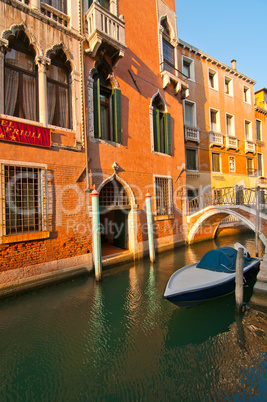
<point x="220" y="260"/>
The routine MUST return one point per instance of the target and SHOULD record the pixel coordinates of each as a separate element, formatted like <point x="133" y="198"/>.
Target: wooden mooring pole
<point x="239" y="282"/>
<point x="150" y="228"/>
<point x="96" y="236"/>
<point x="257" y="225"/>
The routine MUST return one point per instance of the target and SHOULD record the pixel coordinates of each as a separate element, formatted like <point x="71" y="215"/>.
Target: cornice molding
<point x="210" y="59"/>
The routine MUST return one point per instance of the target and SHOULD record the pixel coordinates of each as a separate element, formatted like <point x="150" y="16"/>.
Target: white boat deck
<point x="190" y="278"/>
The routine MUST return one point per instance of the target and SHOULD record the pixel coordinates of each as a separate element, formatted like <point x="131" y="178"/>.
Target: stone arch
<point x="61" y="47"/>
<point x="102" y="64"/>
<point x="215" y="216"/>
<point x="124" y="184"/>
<point x="14" y="29"/>
<point x="132" y="211"/>
<point x="153" y="99"/>
<point x="165" y="23"/>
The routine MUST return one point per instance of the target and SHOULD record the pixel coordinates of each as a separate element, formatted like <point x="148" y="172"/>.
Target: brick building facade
<point x="87" y="103"/>
<point x="103" y="95"/>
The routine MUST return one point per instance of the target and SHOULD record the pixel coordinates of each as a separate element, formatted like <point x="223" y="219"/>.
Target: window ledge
<point x="161" y="153"/>
<point x="214" y="89"/>
<point x="230" y="95"/>
<point x="24" y="237"/>
<point x="163" y="217"/>
<point x="106" y="142"/>
<point x="58" y="128"/>
<point x="20" y="120"/>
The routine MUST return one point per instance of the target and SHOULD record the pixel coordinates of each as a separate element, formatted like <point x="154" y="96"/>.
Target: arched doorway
<point x="114" y="206"/>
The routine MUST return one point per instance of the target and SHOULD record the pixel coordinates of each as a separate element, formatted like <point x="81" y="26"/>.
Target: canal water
<point x="120" y="341"/>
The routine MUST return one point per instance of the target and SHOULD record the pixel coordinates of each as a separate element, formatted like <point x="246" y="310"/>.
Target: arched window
<point x="107" y="106"/>
<point x="58" y="91"/>
<point x="21" y="89"/>
<point x="161" y="126"/>
<point x="168" y="49"/>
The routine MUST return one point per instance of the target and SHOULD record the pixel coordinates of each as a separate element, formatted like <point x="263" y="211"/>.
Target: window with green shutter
<point x="107" y="111"/>
<point x="161" y="127"/>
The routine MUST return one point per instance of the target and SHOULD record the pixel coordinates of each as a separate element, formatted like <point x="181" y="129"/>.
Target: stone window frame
<point x="42" y="195"/>
<point x="191" y="64"/>
<point x="169" y="205"/>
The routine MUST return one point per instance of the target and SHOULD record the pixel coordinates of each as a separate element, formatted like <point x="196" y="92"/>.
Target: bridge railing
<point x="237" y="195"/>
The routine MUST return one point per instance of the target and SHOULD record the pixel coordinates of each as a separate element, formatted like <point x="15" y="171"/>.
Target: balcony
<point x="216" y="139"/>
<point x="191" y="134"/>
<point x="54" y="15"/>
<point x="250" y="147"/>
<point x="170" y="74"/>
<point x="105" y="32"/>
<point x="232" y="143"/>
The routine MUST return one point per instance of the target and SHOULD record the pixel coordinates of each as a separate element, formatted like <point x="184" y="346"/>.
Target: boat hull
<point x="194" y="297"/>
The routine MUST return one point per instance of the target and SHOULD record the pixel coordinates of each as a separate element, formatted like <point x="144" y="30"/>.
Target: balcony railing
<point x="191" y="133"/>
<point x="54" y="14"/>
<point x="26" y="2"/>
<point x="231" y="142"/>
<point x="216" y="139"/>
<point x="105" y="30"/>
<point x="250" y="147"/>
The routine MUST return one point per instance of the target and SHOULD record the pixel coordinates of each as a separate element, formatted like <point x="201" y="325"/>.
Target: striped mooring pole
<point x="150" y="228"/>
<point x="96" y="236"/>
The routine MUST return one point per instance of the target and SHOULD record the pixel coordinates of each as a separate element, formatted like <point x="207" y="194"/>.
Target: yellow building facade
<point x="219" y="124"/>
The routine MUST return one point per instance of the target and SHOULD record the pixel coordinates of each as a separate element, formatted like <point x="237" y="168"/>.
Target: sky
<point x="228" y="30"/>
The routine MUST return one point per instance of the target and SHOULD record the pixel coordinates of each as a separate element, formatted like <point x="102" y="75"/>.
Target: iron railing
<point x="237" y="195"/>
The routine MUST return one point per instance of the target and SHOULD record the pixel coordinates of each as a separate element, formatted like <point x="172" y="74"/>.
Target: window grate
<point x="24" y="199"/>
<point x="163" y="196"/>
<point x="113" y="194"/>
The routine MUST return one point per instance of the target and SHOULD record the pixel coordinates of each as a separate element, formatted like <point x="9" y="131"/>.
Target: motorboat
<point x="213" y="276"/>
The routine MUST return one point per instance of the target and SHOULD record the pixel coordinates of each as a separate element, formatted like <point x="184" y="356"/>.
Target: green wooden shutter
<point x="90" y="2"/>
<point x="167" y="133"/>
<point x="116" y="112"/>
<point x="156" y="130"/>
<point x="97" y="121"/>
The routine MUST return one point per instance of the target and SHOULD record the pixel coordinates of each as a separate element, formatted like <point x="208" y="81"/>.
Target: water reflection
<point x="120" y="341"/>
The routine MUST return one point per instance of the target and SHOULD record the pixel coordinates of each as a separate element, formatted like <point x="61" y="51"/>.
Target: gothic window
<point x="21" y="89"/>
<point x="58" y="91"/>
<point x="107" y="107"/>
<point x="168" y="49"/>
<point x="161" y="127"/>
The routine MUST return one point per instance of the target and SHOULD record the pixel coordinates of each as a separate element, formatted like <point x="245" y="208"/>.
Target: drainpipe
<point x="150" y="228"/>
<point x="84" y="130"/>
<point x="96" y="235"/>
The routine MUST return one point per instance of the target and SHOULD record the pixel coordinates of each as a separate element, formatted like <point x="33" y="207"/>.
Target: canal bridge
<point x="206" y="211"/>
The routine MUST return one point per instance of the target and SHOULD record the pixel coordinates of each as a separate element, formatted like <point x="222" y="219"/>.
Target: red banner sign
<point x="24" y="133"/>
